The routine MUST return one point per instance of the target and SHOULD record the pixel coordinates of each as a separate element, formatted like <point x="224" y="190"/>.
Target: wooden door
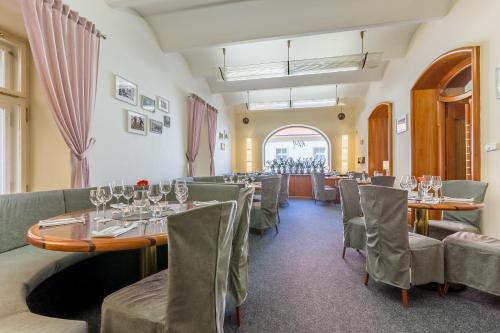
<point x="380" y="138"/>
<point x="455" y="133"/>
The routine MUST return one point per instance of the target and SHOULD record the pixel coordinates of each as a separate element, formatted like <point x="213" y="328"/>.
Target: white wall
<point x="468" y="23"/>
<point x="131" y="50"/>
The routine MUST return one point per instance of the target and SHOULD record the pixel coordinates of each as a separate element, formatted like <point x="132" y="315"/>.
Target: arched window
<point x="296" y="141"/>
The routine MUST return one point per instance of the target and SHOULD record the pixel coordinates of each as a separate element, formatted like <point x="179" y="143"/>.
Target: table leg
<point x="422" y="221"/>
<point x="148" y="261"/>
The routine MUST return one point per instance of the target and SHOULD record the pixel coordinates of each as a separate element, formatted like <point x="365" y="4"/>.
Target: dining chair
<point x="238" y="267"/>
<point x="264" y="214"/>
<point x="454" y="221"/>
<point x="387" y="181"/>
<point x="352" y="216"/>
<point x="394" y="256"/>
<point x="283" y="196"/>
<point x="190" y="295"/>
<point x="321" y="192"/>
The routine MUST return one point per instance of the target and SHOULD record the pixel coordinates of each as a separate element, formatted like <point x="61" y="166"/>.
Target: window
<point x="319" y="152"/>
<point x="249" y="155"/>
<point x="345" y="153"/>
<point x="13" y="82"/>
<point x="281" y="153"/>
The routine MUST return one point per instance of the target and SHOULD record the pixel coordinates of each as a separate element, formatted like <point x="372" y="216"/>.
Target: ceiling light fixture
<point x="289" y="67"/>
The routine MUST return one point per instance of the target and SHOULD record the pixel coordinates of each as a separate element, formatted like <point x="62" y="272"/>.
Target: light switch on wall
<point x="492" y="146"/>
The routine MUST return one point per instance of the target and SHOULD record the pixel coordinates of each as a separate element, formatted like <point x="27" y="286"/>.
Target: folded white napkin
<point x="204" y="203"/>
<point x="458" y="199"/>
<point x="63" y="221"/>
<point x="114" y="231"/>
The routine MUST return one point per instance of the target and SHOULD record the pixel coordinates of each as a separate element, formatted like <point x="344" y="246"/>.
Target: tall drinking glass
<point x="426" y="186"/>
<point x="94" y="198"/>
<point x="107" y="195"/>
<point x="155" y="195"/>
<point x="165" y="188"/>
<point x="140" y="202"/>
<point x="117" y="189"/>
<point x="436" y="184"/>
<point x="181" y="190"/>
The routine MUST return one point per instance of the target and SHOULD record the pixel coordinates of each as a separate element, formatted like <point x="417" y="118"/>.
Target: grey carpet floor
<point x="300" y="283"/>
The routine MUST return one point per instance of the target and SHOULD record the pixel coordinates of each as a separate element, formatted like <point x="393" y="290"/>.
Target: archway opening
<point x="297" y="142"/>
<point x="380" y="139"/>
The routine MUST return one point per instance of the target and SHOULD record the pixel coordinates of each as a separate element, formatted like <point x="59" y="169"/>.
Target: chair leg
<point x="367" y="276"/>
<point x="238" y="316"/>
<point x="404" y="298"/>
<point x="343" y="252"/>
<point x="279" y="220"/>
<point x="445" y="288"/>
<point x="439" y="290"/>
<point x="277" y="231"/>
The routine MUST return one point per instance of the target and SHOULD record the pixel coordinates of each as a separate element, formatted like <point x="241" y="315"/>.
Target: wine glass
<point x="413" y="182"/>
<point x="226" y="178"/>
<point x="105" y="197"/>
<point x="181" y="190"/>
<point x="140" y="202"/>
<point x="95" y="199"/>
<point x="426" y="186"/>
<point x="128" y="193"/>
<point x="436" y="184"/>
<point x="404" y="182"/>
<point x="165" y="188"/>
<point x="155" y="195"/>
<point x="117" y="190"/>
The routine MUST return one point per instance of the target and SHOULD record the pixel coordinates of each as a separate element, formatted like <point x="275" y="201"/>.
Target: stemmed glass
<point x="404" y="182"/>
<point x="413" y="183"/>
<point x="165" y="188"/>
<point x="426" y="186"/>
<point x="436" y="184"/>
<point x="226" y="178"/>
<point x="140" y="202"/>
<point x="106" y="194"/>
<point x="154" y="194"/>
<point x="128" y="193"/>
<point x="96" y="201"/>
<point x="117" y="190"/>
<point x="181" y="190"/>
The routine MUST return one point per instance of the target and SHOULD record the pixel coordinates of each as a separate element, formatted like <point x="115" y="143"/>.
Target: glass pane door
<point x="10" y="147"/>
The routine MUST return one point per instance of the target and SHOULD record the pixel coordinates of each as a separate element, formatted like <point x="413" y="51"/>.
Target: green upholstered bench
<point x="209" y="179"/>
<point x="473" y="260"/>
<point x="23" y="267"/>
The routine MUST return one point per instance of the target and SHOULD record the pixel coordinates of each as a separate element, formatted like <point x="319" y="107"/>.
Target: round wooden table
<point x="77" y="237"/>
<point x="422" y="211"/>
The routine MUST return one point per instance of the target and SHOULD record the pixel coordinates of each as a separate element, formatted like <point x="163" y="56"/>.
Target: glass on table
<point x="165" y="189"/>
<point x="139" y="202"/>
<point x="436" y="184"/>
<point x="105" y="197"/>
<point x="155" y="195"/>
<point x="96" y="201"/>
<point x="128" y="193"/>
<point x="181" y="191"/>
<point x="426" y="186"/>
<point x="117" y="189"/>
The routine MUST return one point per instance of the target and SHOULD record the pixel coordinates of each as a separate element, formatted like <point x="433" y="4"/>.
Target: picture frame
<point x="402" y="124"/>
<point x="162" y="104"/>
<point x="166" y="121"/>
<point x="221" y="136"/>
<point x="222" y="146"/>
<point x="497" y="82"/>
<point x="125" y="90"/>
<point x="148" y="104"/>
<point x="226" y="136"/>
<point x="155" y="126"/>
<point x="136" y="123"/>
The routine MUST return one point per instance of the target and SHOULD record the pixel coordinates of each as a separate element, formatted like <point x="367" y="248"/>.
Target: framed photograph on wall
<point x="148" y="104"/>
<point x="155" y="126"/>
<point x="163" y="104"/>
<point x="402" y="124"/>
<point x="125" y="90"/>
<point x="136" y="123"/>
<point x="166" y="121"/>
<point x="222" y="146"/>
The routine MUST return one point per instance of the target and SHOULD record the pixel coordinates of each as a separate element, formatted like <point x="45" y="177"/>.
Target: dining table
<point x="79" y="237"/>
<point x="422" y="208"/>
<point x="256" y="185"/>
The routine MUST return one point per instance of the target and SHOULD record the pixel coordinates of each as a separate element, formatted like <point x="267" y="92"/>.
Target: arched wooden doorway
<point x="445" y="117"/>
<point x="380" y="138"/>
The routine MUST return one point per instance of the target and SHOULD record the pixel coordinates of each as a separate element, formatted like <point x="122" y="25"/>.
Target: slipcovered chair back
<point x="313" y="185"/>
<point x="465" y="189"/>
<point x="209" y="179"/>
<point x="318" y="184"/>
<point x="199" y="251"/>
<point x="283" y="196"/>
<point x="18" y="212"/>
<point x="209" y="191"/>
<point x="270" y="193"/>
<point x="387" y="181"/>
<point x="78" y="199"/>
<point x="349" y="199"/>
<point x="238" y="269"/>
<point x="387" y="244"/>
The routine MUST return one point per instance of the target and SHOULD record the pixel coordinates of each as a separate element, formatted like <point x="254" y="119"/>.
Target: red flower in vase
<point x="142" y="183"/>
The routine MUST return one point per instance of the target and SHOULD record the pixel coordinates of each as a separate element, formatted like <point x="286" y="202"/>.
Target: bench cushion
<point x="439" y="229"/>
<point x="427" y="259"/>
<point x="474" y="260"/>
<point x="18" y="212"/>
<point x="77" y="199"/>
<point x="27" y="322"/>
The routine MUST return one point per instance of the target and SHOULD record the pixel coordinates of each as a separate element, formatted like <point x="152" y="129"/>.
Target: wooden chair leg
<point x="445" y="288"/>
<point x="367" y="276"/>
<point x="277" y="231"/>
<point x="343" y="252"/>
<point x="279" y="220"/>
<point x="238" y="316"/>
<point x="404" y="298"/>
<point x="439" y="289"/>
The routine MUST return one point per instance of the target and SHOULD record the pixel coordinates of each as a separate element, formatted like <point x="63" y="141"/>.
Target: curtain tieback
<point x="83" y="154"/>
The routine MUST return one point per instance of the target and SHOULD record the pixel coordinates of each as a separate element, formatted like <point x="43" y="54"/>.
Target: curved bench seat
<point x="27" y="322"/>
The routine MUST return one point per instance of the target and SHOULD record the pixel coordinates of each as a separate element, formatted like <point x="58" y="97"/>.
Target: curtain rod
<point x="193" y="95"/>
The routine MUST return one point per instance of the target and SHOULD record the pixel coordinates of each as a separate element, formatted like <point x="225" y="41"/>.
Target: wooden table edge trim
<point x="458" y="206"/>
<point x="94" y="244"/>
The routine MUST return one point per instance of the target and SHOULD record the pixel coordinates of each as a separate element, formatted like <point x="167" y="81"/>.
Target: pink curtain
<point x="197" y="108"/>
<point x="65" y="49"/>
<point x="212" y="135"/>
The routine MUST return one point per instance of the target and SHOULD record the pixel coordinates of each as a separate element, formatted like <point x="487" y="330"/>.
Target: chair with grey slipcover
<point x="264" y="213"/>
<point x="352" y="216"/>
<point x="238" y="269"/>
<point x="320" y="191"/>
<point x="473" y="260"/>
<point x="387" y="181"/>
<point x="394" y="256"/>
<point x="454" y="221"/>
<point x="190" y="295"/>
<point x="283" y="197"/>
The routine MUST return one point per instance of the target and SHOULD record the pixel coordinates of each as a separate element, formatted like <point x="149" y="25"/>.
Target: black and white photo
<point x="136" y="123"/>
<point x="125" y="90"/>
